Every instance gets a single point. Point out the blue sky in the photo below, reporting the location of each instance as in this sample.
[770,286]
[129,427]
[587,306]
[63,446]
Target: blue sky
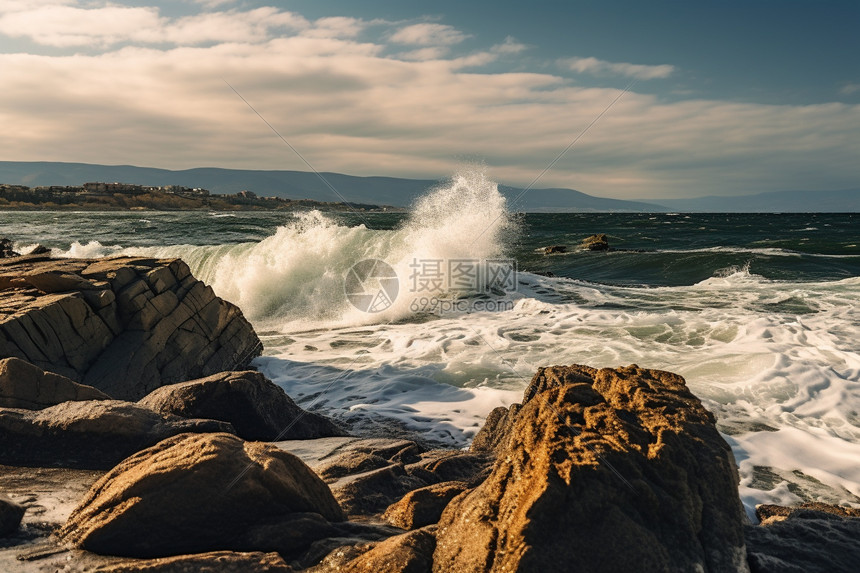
[724,98]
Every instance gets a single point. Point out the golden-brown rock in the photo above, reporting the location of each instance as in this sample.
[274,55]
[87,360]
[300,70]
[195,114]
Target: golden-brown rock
[609,470]
[204,492]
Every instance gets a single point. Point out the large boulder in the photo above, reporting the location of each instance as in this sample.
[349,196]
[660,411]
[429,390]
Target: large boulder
[255,406]
[410,552]
[610,470]
[11,514]
[204,492]
[423,506]
[23,385]
[124,325]
[810,538]
[90,434]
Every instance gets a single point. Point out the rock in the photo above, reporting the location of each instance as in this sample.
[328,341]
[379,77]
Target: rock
[438,466]
[620,471]
[88,434]
[6,249]
[423,506]
[553,249]
[256,407]
[212,562]
[39,250]
[811,538]
[407,553]
[23,385]
[204,492]
[124,325]
[596,243]
[11,514]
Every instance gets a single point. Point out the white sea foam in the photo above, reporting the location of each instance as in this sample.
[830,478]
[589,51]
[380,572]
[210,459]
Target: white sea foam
[762,354]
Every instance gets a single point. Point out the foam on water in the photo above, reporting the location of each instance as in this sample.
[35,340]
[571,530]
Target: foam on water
[778,362]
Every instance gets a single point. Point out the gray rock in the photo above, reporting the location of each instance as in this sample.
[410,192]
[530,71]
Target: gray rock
[11,514]
[812,538]
[89,434]
[256,407]
[124,325]
[23,385]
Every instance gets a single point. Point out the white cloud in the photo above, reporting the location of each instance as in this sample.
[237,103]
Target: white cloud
[428,34]
[350,106]
[509,46]
[601,67]
[849,89]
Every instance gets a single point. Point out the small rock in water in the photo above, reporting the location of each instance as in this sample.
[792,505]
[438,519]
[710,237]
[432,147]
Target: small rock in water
[596,242]
[553,249]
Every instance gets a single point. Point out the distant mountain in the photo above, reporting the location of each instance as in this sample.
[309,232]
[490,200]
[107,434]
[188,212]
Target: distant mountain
[844,201]
[298,185]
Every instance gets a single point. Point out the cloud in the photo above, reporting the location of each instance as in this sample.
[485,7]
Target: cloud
[849,89]
[428,34]
[509,46]
[351,106]
[601,68]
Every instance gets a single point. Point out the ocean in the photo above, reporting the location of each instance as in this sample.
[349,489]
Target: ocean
[420,323]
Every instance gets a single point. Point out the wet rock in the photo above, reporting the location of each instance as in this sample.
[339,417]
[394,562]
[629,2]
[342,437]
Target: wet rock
[124,325]
[88,434]
[423,506]
[212,562]
[410,552]
[811,538]
[610,470]
[204,492]
[11,514]
[256,407]
[23,385]
[596,243]
[554,249]
[6,249]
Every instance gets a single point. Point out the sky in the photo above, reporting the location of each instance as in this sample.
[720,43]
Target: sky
[618,98]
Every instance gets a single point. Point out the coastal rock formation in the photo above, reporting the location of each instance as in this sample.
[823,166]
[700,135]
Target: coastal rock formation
[124,325]
[410,552]
[596,243]
[810,538]
[608,470]
[11,514]
[423,506]
[23,385]
[256,407]
[204,492]
[7,249]
[89,434]
[212,562]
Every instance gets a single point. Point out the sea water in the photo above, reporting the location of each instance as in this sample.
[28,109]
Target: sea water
[759,312]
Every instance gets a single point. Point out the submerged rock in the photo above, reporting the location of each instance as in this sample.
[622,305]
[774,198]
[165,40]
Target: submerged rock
[204,492]
[23,385]
[124,325]
[89,434]
[255,406]
[11,514]
[554,249]
[596,242]
[810,538]
[601,470]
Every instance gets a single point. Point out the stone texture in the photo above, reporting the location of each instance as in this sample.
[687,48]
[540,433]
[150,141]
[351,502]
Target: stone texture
[596,243]
[23,385]
[256,407]
[88,434]
[410,552]
[212,562]
[204,492]
[124,325]
[11,514]
[610,470]
[423,506]
[811,538]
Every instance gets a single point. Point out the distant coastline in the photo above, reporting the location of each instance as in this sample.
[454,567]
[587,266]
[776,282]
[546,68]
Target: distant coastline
[132,197]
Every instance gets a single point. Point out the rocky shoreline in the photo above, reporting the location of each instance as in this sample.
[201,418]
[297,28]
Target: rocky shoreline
[134,437]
